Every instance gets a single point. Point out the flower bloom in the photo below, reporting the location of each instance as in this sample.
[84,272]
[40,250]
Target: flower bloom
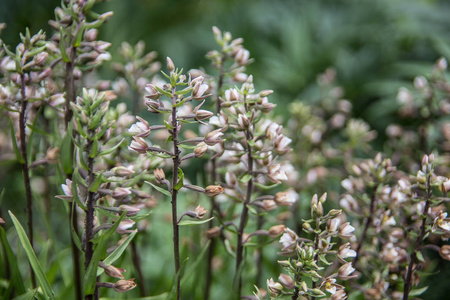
[345,271]
[288,197]
[140,129]
[345,230]
[214,137]
[139,145]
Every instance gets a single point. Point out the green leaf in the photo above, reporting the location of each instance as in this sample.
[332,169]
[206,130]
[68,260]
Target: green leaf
[62,46]
[161,190]
[193,222]
[40,275]
[420,256]
[418,292]
[229,248]
[76,41]
[324,260]
[14,142]
[116,253]
[179,184]
[27,296]
[94,149]
[168,126]
[266,187]
[76,178]
[110,150]
[96,184]
[99,252]
[16,278]
[66,152]
[75,237]
[190,270]
[246,178]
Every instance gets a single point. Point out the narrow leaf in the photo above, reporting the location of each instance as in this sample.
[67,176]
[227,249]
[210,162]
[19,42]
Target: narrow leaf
[14,143]
[179,184]
[194,222]
[16,278]
[110,150]
[116,253]
[66,152]
[40,275]
[161,190]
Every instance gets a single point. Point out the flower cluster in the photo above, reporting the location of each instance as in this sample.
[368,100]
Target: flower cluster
[307,255]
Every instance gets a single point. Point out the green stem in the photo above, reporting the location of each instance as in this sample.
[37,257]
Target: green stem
[176,163]
[25,169]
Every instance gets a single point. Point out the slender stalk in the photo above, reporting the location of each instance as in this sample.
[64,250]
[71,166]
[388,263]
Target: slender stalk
[25,169]
[316,247]
[413,258]
[89,222]
[137,265]
[176,163]
[367,223]
[213,199]
[244,215]
[69,84]
[259,254]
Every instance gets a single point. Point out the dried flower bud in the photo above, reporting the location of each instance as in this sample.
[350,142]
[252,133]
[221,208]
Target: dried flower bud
[213,232]
[200,211]
[276,230]
[52,155]
[200,149]
[170,64]
[269,205]
[444,252]
[123,285]
[159,175]
[114,272]
[213,190]
[288,197]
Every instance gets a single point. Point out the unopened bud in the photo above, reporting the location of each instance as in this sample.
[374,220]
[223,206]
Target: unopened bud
[130,210]
[286,281]
[170,64]
[276,230]
[123,285]
[200,149]
[214,137]
[203,114]
[159,175]
[444,252]
[40,58]
[265,93]
[112,271]
[213,190]
[213,232]
[200,211]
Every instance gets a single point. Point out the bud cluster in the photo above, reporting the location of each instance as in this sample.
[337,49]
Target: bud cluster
[307,255]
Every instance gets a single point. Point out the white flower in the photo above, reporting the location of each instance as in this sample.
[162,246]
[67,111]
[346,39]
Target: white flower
[345,230]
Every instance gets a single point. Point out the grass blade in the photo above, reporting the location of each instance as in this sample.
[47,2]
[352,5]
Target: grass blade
[40,275]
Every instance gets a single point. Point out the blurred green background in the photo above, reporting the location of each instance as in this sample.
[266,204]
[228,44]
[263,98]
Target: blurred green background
[375,46]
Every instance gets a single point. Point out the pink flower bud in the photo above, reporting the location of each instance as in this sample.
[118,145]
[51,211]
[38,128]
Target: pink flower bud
[213,190]
[214,137]
[170,64]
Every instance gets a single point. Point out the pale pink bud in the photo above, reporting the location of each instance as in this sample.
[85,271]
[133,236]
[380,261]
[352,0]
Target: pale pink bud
[276,230]
[444,252]
[345,271]
[274,287]
[139,145]
[130,210]
[40,58]
[214,137]
[152,92]
[120,193]
[170,64]
[200,149]
[288,197]
[346,230]
[286,281]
